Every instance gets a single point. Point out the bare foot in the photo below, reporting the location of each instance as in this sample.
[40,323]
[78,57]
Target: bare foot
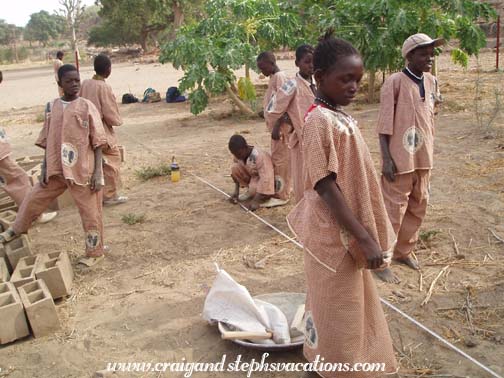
[409,262]
[387,276]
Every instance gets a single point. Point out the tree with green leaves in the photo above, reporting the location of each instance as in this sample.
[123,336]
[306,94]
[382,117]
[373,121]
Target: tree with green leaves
[230,36]
[378,28]
[43,27]
[137,21]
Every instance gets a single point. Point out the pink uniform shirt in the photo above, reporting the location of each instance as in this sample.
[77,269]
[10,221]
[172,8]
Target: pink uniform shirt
[409,120]
[69,136]
[101,95]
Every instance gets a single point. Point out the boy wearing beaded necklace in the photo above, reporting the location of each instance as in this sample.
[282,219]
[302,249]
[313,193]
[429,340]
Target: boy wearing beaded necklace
[342,223]
[406,132]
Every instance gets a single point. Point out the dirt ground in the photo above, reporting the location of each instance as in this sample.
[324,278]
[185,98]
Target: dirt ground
[144,302]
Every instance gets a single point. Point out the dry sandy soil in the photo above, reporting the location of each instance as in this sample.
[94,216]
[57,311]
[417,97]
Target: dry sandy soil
[144,302]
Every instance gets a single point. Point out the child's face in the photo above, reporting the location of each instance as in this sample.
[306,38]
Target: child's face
[70,82]
[266,67]
[305,65]
[421,59]
[240,154]
[341,83]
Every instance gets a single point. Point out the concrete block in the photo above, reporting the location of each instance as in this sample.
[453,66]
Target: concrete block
[64,200]
[17,249]
[7,218]
[7,204]
[29,162]
[56,271]
[25,270]
[4,271]
[40,308]
[122,150]
[13,325]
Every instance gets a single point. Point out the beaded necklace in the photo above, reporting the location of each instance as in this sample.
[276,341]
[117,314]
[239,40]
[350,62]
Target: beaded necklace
[330,106]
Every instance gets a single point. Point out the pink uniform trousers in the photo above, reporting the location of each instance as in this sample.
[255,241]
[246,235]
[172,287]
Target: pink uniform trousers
[89,204]
[406,201]
[15,180]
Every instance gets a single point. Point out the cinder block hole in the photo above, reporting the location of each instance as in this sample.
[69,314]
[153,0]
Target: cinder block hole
[4,288]
[6,300]
[31,287]
[36,296]
[30,260]
[54,255]
[51,264]
[26,272]
[16,243]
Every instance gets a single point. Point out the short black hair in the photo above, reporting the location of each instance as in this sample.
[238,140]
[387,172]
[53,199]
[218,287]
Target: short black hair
[1,76]
[331,50]
[266,56]
[64,69]
[101,64]
[236,143]
[59,54]
[302,50]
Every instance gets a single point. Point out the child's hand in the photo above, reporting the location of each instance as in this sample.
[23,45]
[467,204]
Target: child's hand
[97,181]
[275,133]
[233,199]
[372,253]
[43,175]
[389,170]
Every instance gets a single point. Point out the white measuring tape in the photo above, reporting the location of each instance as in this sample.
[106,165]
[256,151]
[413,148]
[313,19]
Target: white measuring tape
[385,302]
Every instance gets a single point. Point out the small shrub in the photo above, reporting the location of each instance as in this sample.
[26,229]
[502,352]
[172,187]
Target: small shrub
[132,218]
[146,173]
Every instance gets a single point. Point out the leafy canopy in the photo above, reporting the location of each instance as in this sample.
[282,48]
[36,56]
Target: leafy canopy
[230,36]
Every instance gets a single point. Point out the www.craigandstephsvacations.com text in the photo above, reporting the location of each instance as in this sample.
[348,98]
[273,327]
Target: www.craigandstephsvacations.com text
[241,365]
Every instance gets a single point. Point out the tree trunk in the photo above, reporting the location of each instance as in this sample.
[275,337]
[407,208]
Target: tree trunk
[239,103]
[143,40]
[247,71]
[178,15]
[371,86]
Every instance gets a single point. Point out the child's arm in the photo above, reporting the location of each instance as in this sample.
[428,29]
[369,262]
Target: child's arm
[277,112]
[389,168]
[110,110]
[236,194]
[97,181]
[332,196]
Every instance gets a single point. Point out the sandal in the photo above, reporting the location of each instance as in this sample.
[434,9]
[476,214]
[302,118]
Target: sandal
[274,202]
[8,235]
[90,261]
[115,201]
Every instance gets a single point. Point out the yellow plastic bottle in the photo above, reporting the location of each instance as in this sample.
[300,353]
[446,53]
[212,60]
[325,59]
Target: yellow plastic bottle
[175,171]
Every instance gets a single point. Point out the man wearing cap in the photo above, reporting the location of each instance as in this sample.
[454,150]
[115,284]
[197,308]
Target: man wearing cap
[406,132]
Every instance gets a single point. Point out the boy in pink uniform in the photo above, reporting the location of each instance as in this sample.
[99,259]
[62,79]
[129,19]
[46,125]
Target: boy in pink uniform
[406,132]
[13,178]
[58,62]
[342,223]
[252,169]
[278,128]
[72,136]
[294,98]
[100,94]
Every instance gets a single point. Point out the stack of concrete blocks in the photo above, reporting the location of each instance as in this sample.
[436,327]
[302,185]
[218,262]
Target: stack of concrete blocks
[56,271]
[6,202]
[13,323]
[7,218]
[40,308]
[25,270]
[4,268]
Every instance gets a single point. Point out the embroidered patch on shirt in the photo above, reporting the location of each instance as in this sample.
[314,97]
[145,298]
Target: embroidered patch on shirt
[92,239]
[310,331]
[69,154]
[271,104]
[288,87]
[85,123]
[3,136]
[413,140]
